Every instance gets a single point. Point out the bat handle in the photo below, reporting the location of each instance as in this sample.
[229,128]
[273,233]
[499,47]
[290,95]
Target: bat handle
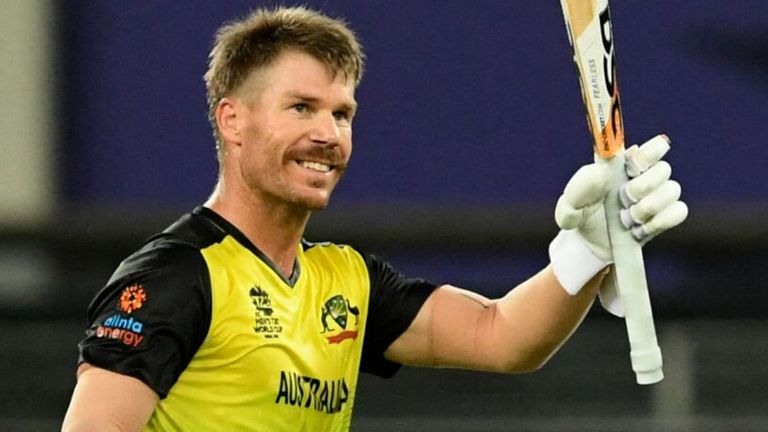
[631,284]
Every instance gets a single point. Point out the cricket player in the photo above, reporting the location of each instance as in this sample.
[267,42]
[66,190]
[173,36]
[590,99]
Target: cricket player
[230,320]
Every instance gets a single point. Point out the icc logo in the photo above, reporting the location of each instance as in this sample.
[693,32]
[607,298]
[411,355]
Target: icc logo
[266,323]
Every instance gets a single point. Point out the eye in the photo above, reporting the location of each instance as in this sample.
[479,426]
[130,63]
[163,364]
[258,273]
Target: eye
[342,116]
[300,108]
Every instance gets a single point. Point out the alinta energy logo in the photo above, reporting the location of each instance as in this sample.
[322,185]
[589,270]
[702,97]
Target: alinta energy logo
[132,298]
[126,329]
[340,311]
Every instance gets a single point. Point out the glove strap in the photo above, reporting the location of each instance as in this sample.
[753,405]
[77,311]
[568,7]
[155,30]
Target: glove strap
[572,261]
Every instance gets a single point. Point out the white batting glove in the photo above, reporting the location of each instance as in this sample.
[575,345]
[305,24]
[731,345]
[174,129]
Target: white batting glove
[651,205]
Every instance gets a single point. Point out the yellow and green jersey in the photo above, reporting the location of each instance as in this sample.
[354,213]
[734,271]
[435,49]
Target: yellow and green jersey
[202,317]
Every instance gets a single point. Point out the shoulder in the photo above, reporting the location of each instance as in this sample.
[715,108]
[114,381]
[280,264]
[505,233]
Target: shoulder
[344,252]
[176,247]
[168,266]
[330,253]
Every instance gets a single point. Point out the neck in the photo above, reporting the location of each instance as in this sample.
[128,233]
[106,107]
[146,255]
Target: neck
[275,228]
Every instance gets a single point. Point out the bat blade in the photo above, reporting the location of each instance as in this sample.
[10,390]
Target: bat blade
[589,30]
[588,23]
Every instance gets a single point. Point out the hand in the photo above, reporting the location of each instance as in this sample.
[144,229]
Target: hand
[651,206]
[651,200]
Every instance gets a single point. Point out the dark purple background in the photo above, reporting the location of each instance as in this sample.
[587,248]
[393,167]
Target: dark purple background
[459,105]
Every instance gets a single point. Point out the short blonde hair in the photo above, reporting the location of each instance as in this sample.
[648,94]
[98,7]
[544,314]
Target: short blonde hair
[257,40]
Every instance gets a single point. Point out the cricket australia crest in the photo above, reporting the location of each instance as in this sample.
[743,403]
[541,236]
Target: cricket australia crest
[340,312]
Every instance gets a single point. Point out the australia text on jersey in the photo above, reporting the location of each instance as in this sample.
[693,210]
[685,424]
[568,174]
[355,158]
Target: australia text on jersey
[328,396]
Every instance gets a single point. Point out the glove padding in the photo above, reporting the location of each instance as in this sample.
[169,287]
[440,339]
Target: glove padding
[650,203]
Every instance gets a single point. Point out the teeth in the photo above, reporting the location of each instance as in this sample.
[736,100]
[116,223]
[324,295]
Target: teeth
[316,166]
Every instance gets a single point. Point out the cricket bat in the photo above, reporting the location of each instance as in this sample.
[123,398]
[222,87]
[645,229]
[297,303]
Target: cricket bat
[591,35]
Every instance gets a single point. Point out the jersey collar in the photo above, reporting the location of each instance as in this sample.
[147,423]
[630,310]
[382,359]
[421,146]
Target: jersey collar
[227,228]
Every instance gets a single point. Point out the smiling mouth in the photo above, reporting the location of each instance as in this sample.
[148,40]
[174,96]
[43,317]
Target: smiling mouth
[316,166]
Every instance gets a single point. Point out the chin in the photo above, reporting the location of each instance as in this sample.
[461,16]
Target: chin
[314,203]
[310,198]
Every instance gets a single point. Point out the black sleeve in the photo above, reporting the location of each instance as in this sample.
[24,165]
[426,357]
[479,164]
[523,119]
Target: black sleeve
[395,301]
[151,317]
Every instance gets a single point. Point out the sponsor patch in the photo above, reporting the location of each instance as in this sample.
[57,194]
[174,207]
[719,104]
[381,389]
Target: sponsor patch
[125,329]
[132,298]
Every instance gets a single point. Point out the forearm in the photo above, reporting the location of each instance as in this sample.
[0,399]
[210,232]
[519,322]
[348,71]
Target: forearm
[532,321]
[517,333]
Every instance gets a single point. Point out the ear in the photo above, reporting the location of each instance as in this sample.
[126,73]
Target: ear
[226,120]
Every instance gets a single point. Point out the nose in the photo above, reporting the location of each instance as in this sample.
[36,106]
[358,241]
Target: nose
[325,129]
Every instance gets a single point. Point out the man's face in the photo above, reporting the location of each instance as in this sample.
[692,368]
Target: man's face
[295,122]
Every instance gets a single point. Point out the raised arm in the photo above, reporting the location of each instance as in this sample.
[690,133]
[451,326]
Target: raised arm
[521,331]
[517,333]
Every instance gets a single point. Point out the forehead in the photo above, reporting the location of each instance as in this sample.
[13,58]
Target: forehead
[297,72]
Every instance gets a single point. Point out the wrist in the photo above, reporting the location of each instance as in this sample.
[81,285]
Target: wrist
[573,262]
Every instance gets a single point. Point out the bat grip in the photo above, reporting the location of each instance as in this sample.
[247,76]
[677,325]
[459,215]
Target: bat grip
[631,284]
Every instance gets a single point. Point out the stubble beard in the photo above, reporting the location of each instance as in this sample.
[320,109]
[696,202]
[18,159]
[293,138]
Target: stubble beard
[276,187]
[278,192]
